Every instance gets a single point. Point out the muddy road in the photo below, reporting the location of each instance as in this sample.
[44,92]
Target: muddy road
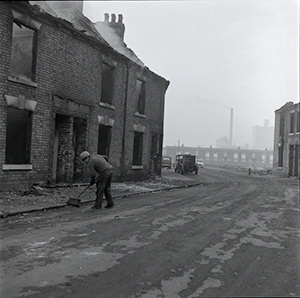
[234,235]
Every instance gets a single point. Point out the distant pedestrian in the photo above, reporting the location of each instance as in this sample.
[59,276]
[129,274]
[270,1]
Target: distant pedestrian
[101,174]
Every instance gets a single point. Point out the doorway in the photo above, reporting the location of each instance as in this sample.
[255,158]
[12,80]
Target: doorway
[69,141]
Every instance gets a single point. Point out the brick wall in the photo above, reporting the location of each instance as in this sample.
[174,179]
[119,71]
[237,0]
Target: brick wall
[68,78]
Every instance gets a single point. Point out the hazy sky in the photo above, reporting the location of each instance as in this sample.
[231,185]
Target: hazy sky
[217,55]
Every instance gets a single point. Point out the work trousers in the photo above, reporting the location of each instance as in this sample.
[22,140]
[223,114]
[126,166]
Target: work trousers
[103,185]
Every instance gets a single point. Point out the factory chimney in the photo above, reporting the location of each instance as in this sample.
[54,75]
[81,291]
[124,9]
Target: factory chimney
[231,127]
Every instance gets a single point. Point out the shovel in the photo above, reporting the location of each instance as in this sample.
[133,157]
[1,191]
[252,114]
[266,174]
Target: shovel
[76,201]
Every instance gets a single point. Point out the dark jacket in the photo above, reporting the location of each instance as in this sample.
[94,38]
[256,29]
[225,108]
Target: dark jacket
[97,166]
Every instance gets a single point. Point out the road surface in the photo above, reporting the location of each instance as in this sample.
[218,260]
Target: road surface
[234,235]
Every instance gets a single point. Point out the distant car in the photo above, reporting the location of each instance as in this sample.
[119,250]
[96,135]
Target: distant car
[200,163]
[166,162]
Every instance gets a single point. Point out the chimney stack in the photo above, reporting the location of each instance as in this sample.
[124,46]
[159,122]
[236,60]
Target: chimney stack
[120,20]
[119,27]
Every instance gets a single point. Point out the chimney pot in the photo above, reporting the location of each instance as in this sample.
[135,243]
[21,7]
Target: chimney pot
[120,20]
[106,17]
[113,18]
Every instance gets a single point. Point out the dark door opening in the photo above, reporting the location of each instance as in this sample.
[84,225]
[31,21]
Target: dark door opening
[296,165]
[291,160]
[69,141]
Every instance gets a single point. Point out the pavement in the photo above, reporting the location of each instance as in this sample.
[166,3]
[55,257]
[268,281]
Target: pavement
[13,203]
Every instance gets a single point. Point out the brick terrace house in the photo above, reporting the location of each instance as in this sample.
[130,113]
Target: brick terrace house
[65,89]
[287,140]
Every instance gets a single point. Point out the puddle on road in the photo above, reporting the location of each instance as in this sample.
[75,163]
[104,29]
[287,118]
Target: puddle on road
[216,252]
[208,283]
[170,288]
[259,242]
[130,243]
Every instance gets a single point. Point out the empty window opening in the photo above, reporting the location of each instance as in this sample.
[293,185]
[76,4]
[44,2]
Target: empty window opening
[23,54]
[18,136]
[107,83]
[281,126]
[137,148]
[141,92]
[292,123]
[104,139]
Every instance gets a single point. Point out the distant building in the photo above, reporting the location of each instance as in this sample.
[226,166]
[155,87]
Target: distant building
[238,157]
[263,136]
[286,140]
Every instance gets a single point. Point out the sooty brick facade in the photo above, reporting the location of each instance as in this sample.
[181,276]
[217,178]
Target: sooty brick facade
[49,116]
[287,141]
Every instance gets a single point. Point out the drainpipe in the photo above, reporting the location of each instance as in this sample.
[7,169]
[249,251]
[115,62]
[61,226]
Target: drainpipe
[124,122]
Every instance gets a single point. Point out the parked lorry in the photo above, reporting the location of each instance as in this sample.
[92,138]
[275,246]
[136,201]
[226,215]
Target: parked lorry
[186,163]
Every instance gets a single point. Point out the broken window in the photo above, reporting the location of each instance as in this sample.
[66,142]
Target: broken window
[104,137]
[18,136]
[292,123]
[23,54]
[137,148]
[107,83]
[141,92]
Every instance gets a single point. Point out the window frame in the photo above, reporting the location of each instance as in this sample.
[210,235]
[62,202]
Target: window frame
[9,160]
[141,97]
[26,21]
[107,132]
[292,122]
[137,156]
[107,84]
